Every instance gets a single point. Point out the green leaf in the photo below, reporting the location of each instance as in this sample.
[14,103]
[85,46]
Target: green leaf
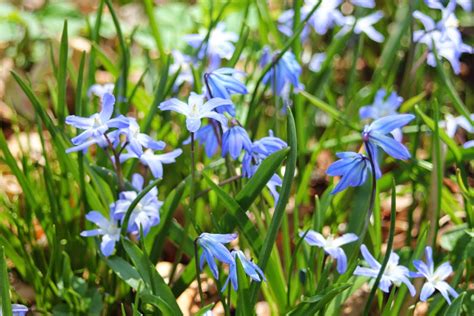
[62,73]
[163,297]
[456,306]
[125,271]
[5,303]
[311,305]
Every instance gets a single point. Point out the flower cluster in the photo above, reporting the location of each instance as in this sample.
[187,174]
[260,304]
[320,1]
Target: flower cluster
[396,274]
[442,36]
[213,248]
[121,134]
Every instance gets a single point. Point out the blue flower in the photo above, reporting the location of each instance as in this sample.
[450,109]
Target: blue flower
[18,310]
[332,246]
[97,124]
[285,71]
[147,212]
[260,150]
[222,83]
[100,90]
[137,141]
[196,109]
[381,106]
[234,140]
[213,248]
[207,137]
[317,61]
[182,63]
[438,4]
[250,268]
[393,274]
[451,124]
[434,278]
[219,45]
[108,229]
[353,168]
[102,141]
[444,34]
[375,135]
[363,25]
[153,161]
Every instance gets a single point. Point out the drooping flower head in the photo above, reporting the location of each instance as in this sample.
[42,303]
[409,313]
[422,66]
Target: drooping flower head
[250,268]
[393,274]
[434,278]
[353,168]
[213,248]
[147,212]
[375,135]
[331,246]
[234,140]
[285,72]
[96,126]
[196,109]
[153,161]
[219,45]
[207,137]
[108,229]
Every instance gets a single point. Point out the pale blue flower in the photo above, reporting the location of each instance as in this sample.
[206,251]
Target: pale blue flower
[108,229]
[147,212]
[353,168]
[445,36]
[102,141]
[434,278]
[317,61]
[363,25]
[438,4]
[137,141]
[234,140]
[182,63]
[375,135]
[285,72]
[393,274]
[97,124]
[452,123]
[219,45]
[382,107]
[213,248]
[153,161]
[331,246]
[250,268]
[100,90]
[468,144]
[370,4]
[195,110]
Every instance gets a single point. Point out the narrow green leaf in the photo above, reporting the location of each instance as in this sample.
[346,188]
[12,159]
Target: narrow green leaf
[62,73]
[456,306]
[5,303]
[165,299]
[154,26]
[125,271]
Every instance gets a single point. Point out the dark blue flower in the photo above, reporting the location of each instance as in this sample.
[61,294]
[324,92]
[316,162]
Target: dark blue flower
[250,268]
[222,83]
[234,140]
[213,248]
[374,135]
[353,168]
[286,71]
[207,137]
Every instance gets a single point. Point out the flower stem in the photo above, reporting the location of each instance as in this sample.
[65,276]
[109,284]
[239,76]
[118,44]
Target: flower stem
[198,276]
[372,193]
[117,165]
